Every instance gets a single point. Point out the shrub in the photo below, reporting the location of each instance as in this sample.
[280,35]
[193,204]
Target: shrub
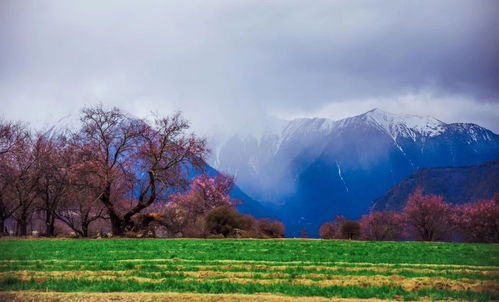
[270,228]
[350,229]
[225,220]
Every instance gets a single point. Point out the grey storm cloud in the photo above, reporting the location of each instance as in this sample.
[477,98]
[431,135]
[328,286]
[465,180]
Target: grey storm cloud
[224,62]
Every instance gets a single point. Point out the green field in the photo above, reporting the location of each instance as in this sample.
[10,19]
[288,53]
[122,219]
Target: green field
[386,270]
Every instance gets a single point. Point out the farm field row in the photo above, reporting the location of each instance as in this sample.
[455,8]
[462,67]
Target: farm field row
[299,268]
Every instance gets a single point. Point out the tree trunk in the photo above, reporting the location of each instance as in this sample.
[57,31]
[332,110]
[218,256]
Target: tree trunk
[126,222]
[116,224]
[117,227]
[49,224]
[84,229]
[22,225]
[3,230]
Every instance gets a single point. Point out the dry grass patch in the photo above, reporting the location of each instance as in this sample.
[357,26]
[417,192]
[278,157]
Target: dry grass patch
[249,267]
[161,297]
[269,263]
[319,280]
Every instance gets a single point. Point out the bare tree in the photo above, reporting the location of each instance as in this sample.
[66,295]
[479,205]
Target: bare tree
[80,204]
[24,178]
[80,211]
[11,134]
[128,156]
[108,142]
[166,158]
[12,137]
[53,166]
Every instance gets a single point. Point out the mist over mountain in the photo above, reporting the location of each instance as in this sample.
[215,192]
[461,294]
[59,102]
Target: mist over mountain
[312,169]
[246,204]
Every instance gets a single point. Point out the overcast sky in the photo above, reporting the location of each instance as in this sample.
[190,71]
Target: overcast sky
[231,63]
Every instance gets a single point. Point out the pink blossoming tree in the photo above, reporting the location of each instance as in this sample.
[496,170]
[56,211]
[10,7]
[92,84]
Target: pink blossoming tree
[479,221]
[428,216]
[382,226]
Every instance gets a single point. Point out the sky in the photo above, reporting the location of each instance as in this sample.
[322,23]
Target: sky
[232,64]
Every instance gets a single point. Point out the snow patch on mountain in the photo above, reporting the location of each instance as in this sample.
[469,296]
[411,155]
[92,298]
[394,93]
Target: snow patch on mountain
[341,177]
[475,132]
[405,125]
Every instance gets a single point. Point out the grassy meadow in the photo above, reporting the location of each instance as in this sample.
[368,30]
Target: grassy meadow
[320,268]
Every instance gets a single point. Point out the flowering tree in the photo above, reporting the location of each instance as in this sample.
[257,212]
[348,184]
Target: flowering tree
[479,221]
[381,226]
[428,216]
[328,231]
[213,190]
[205,194]
[332,230]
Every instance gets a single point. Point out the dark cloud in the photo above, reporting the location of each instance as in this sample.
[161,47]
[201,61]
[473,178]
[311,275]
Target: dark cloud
[225,62]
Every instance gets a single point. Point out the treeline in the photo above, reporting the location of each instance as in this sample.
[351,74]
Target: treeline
[426,217]
[123,176]
[116,174]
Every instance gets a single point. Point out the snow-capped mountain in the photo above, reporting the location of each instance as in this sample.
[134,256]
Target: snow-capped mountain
[315,168]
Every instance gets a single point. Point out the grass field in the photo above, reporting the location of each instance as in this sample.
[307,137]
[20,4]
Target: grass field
[343,269]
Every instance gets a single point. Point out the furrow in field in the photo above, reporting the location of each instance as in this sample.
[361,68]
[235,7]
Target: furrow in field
[271,262]
[295,270]
[347,269]
[273,266]
[322,263]
[316,280]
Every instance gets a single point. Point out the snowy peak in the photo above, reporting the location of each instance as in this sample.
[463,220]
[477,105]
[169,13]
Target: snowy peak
[404,125]
[395,125]
[253,150]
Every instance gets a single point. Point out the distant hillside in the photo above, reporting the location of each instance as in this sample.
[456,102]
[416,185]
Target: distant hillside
[458,185]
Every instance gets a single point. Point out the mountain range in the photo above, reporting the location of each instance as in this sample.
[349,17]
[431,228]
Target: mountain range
[311,169]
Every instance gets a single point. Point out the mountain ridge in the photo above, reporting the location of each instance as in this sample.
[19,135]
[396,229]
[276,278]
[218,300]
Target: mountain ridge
[316,168]
[458,185]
